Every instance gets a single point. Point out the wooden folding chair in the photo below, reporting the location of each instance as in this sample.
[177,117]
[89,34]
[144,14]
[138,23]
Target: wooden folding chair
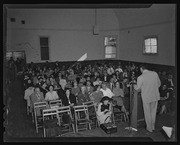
[55,103]
[65,120]
[82,121]
[38,117]
[51,123]
[119,116]
[92,113]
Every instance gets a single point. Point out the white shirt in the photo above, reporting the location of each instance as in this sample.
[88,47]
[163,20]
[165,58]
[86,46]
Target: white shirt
[62,82]
[107,92]
[51,96]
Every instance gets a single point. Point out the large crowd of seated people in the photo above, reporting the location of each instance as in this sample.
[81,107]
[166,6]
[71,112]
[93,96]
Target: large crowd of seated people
[82,83]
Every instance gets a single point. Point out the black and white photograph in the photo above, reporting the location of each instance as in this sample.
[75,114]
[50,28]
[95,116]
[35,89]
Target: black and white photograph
[89,72]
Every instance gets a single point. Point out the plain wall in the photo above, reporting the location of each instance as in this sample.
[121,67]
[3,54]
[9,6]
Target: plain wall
[134,24]
[70,32]
[132,40]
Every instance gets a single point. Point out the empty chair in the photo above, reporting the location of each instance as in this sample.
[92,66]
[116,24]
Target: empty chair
[92,113]
[38,117]
[55,103]
[51,123]
[82,121]
[119,116]
[65,120]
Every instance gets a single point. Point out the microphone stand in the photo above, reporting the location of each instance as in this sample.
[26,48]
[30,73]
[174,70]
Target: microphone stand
[130,128]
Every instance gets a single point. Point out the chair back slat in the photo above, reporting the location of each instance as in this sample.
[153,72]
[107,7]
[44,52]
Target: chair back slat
[49,112]
[63,108]
[88,103]
[40,104]
[80,108]
[55,103]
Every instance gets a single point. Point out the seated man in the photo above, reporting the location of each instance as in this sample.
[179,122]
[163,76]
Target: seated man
[82,96]
[106,91]
[37,96]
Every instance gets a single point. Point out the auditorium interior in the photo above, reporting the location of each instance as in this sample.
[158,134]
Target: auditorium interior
[66,44]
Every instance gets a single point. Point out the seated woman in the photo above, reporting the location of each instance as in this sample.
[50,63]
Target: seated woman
[164,99]
[118,94]
[75,89]
[82,96]
[51,94]
[68,98]
[97,95]
[53,82]
[104,110]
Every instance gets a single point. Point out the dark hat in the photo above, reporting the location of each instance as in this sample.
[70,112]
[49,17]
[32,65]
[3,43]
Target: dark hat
[105,98]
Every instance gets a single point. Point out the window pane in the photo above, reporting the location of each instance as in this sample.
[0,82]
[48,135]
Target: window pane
[154,49]
[147,49]
[44,53]
[110,56]
[147,42]
[18,55]
[153,41]
[110,49]
[44,41]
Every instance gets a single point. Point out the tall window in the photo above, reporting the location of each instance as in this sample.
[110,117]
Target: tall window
[44,46]
[110,43]
[150,45]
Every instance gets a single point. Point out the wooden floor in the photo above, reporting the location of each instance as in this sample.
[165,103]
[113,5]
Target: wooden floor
[20,125]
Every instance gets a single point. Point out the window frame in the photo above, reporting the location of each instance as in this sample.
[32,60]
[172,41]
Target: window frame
[44,46]
[114,36]
[150,37]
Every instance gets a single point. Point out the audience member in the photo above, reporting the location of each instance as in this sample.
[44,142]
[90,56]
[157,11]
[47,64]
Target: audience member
[106,91]
[82,96]
[51,94]
[104,110]
[28,92]
[96,95]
